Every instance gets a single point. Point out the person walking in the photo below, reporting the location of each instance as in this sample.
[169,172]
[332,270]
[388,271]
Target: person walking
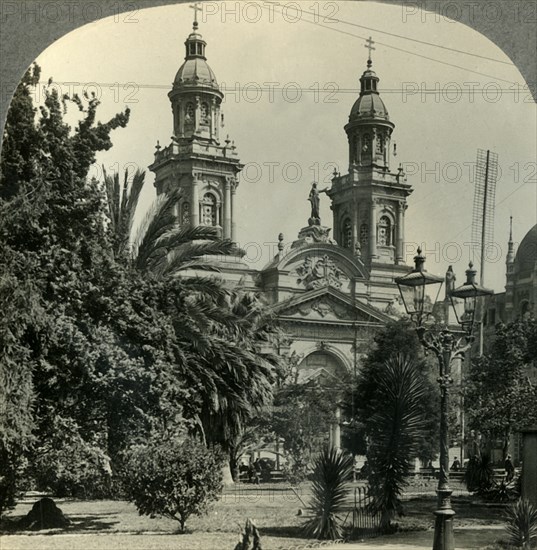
[509,469]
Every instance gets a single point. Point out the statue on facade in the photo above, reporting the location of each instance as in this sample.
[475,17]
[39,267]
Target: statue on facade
[314,198]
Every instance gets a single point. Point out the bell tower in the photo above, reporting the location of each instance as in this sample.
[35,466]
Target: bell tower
[205,169]
[369,202]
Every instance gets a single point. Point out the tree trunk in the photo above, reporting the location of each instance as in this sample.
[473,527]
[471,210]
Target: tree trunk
[227,478]
[234,467]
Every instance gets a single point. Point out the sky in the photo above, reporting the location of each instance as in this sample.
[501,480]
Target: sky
[445,105]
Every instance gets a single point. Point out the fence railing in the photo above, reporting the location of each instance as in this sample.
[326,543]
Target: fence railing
[365,522]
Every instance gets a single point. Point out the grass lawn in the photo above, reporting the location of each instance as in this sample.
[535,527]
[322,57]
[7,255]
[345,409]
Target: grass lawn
[114,525]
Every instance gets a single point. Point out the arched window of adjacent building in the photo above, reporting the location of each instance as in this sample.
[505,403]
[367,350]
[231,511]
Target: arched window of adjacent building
[364,234]
[185,213]
[204,110]
[347,234]
[208,210]
[384,233]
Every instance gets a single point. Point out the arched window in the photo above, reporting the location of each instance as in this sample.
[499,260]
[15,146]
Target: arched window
[384,234]
[366,148]
[380,143]
[364,234]
[204,110]
[185,213]
[347,234]
[208,212]
[189,115]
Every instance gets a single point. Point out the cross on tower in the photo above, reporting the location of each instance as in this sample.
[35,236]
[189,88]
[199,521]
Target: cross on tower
[196,7]
[369,46]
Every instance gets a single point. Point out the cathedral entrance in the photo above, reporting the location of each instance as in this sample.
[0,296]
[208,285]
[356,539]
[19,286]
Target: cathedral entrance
[322,367]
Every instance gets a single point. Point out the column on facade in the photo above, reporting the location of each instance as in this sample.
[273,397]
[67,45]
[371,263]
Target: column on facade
[212,118]
[181,119]
[374,139]
[335,430]
[227,209]
[195,204]
[355,234]
[373,230]
[400,232]
[217,123]
[197,114]
[233,224]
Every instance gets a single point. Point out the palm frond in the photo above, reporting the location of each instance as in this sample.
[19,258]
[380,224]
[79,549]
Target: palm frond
[395,430]
[330,487]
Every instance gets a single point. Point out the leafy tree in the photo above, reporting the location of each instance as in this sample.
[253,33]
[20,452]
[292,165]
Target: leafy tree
[500,395]
[301,416]
[84,343]
[394,430]
[397,338]
[331,474]
[173,478]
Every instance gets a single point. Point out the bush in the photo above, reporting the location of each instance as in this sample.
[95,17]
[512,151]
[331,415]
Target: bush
[10,479]
[173,478]
[522,524]
[69,466]
[331,475]
[479,474]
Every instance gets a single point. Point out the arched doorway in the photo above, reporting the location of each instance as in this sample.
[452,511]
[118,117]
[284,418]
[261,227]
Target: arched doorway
[322,367]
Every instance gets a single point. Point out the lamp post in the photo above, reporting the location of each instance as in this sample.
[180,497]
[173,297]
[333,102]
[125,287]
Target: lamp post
[418,295]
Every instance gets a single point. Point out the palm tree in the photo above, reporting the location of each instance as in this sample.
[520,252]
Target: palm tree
[394,430]
[222,334]
[242,368]
[161,245]
[331,475]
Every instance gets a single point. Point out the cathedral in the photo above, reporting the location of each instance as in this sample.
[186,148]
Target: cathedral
[330,292]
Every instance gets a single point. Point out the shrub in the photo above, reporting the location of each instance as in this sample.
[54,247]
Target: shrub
[69,466]
[173,478]
[479,474]
[522,524]
[331,474]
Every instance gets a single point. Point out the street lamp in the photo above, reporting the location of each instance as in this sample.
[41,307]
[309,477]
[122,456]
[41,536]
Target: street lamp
[418,295]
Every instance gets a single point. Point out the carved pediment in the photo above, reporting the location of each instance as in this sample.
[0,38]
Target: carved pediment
[318,272]
[328,305]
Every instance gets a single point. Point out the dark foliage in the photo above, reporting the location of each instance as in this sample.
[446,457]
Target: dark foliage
[395,430]
[330,487]
[173,478]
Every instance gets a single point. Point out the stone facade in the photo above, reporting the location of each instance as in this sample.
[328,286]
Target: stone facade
[331,293]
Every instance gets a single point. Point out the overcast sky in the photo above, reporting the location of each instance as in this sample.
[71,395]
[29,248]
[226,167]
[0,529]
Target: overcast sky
[437,134]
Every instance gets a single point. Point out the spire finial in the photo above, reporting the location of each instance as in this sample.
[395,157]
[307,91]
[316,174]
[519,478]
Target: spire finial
[196,7]
[369,46]
[510,228]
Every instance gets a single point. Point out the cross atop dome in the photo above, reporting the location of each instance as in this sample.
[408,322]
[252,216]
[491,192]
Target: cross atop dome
[369,46]
[196,7]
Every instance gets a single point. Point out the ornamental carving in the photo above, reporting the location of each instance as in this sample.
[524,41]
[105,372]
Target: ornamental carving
[320,272]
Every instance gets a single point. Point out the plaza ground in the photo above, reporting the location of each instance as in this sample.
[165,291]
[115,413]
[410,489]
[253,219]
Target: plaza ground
[112,525]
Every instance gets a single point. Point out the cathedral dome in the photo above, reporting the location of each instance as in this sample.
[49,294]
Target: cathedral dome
[369,104]
[526,255]
[195,70]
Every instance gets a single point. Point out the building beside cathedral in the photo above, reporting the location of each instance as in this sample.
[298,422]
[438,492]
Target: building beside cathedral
[520,296]
[330,292]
